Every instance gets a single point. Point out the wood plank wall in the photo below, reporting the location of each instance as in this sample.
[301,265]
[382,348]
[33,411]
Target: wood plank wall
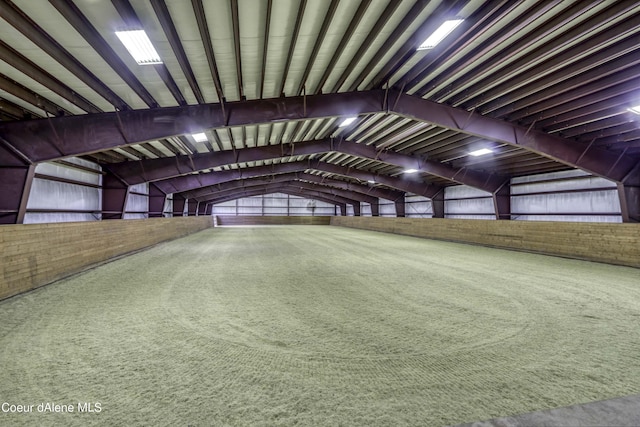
[272,220]
[612,243]
[33,255]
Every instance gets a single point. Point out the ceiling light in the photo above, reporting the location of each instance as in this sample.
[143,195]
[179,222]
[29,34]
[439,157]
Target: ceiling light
[199,137]
[635,109]
[371,181]
[480,152]
[347,121]
[139,46]
[439,34]
[410,170]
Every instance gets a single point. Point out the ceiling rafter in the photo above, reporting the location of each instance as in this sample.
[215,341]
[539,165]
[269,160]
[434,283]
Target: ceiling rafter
[292,44]
[383,19]
[74,16]
[326,22]
[530,103]
[346,38]
[131,19]
[235,21]
[27,95]
[37,35]
[205,37]
[406,21]
[162,12]
[473,25]
[482,68]
[32,70]
[443,11]
[473,58]
[265,46]
[14,111]
[604,57]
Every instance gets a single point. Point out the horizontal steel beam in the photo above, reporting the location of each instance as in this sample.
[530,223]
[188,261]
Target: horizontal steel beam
[191,182]
[54,138]
[286,189]
[296,176]
[168,167]
[163,168]
[579,155]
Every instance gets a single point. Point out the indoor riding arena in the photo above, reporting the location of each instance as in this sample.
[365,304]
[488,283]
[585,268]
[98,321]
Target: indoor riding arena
[319,213]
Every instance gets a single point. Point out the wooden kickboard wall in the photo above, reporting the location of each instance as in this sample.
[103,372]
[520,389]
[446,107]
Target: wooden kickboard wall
[32,255]
[272,220]
[612,243]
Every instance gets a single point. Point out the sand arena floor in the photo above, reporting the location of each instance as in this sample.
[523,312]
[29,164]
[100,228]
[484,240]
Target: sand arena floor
[318,325]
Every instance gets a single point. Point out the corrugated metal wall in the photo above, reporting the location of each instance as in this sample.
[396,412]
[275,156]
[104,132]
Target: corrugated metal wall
[276,204]
[565,196]
[137,206]
[62,193]
[72,192]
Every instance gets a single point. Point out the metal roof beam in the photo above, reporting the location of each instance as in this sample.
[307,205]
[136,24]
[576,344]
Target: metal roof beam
[30,69]
[77,135]
[205,37]
[302,189]
[298,176]
[31,97]
[156,169]
[129,15]
[189,182]
[21,22]
[259,191]
[592,159]
[82,25]
[162,12]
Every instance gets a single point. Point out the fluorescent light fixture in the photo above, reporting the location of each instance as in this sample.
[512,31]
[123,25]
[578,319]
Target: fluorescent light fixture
[410,170]
[439,34]
[371,181]
[199,137]
[635,109]
[139,46]
[347,121]
[480,152]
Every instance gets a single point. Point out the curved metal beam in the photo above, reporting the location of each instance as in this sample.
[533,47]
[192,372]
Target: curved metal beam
[163,168]
[39,139]
[595,160]
[299,176]
[259,190]
[86,134]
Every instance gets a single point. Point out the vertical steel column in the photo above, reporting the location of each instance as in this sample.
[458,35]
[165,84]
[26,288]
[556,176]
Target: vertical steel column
[400,208]
[502,201]
[114,196]
[192,207]
[629,193]
[156,201]
[356,209]
[15,186]
[343,209]
[437,204]
[375,208]
[178,205]
[202,209]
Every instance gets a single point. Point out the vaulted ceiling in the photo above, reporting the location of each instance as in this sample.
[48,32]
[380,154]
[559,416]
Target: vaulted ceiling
[545,85]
